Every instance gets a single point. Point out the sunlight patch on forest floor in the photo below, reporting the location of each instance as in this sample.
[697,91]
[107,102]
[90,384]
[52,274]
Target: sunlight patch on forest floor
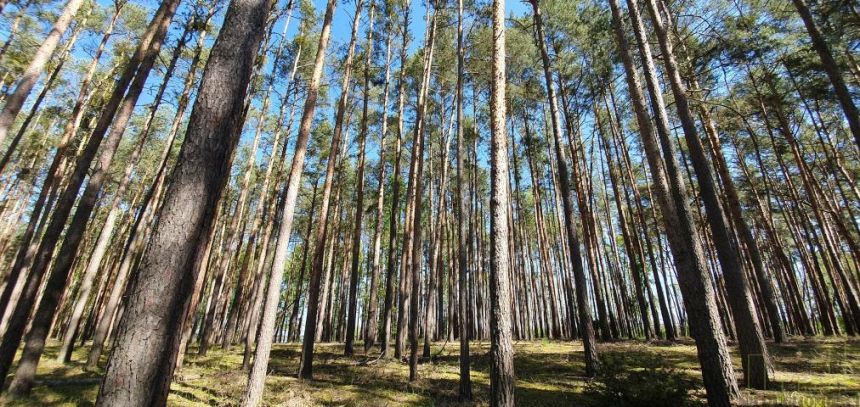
[809,372]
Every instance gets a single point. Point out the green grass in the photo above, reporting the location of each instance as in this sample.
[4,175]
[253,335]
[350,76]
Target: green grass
[811,372]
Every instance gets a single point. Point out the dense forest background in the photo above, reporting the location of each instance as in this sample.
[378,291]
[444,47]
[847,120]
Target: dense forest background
[454,190]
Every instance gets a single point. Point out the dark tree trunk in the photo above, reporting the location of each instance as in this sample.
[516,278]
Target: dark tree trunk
[585,321]
[693,277]
[159,296]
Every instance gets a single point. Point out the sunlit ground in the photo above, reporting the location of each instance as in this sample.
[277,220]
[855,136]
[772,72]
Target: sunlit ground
[818,372]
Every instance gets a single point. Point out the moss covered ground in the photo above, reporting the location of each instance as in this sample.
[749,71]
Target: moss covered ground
[809,372]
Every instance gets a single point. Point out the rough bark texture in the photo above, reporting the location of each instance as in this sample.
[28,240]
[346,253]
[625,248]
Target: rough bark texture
[754,354]
[501,348]
[693,278]
[141,366]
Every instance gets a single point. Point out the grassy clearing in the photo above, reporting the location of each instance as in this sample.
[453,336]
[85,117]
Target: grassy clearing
[814,372]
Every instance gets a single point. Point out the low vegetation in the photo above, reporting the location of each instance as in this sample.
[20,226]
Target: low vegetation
[817,372]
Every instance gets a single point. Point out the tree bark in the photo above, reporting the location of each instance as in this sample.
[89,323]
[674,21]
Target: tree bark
[584,309]
[34,69]
[371,325]
[465,388]
[501,348]
[160,295]
[352,313]
[391,263]
[256,378]
[689,258]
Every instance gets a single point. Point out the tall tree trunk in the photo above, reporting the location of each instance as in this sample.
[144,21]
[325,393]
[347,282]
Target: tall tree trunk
[306,366]
[689,258]
[415,195]
[62,268]
[586,327]
[830,66]
[160,295]
[501,349]
[371,325]
[256,378]
[106,232]
[388,303]
[139,230]
[34,69]
[465,387]
[754,354]
[352,313]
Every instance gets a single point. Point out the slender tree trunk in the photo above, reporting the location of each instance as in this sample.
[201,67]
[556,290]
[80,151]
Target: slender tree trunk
[371,325]
[695,283]
[256,378]
[391,264]
[586,327]
[416,197]
[306,367]
[501,350]
[352,313]
[62,268]
[831,67]
[34,69]
[465,387]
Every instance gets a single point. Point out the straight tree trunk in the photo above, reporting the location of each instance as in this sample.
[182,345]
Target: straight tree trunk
[352,313]
[257,375]
[391,263]
[160,295]
[417,258]
[501,349]
[306,366]
[585,322]
[689,258]
[63,263]
[371,325]
[34,69]
[465,387]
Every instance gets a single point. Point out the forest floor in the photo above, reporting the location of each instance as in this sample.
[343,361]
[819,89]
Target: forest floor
[809,372]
